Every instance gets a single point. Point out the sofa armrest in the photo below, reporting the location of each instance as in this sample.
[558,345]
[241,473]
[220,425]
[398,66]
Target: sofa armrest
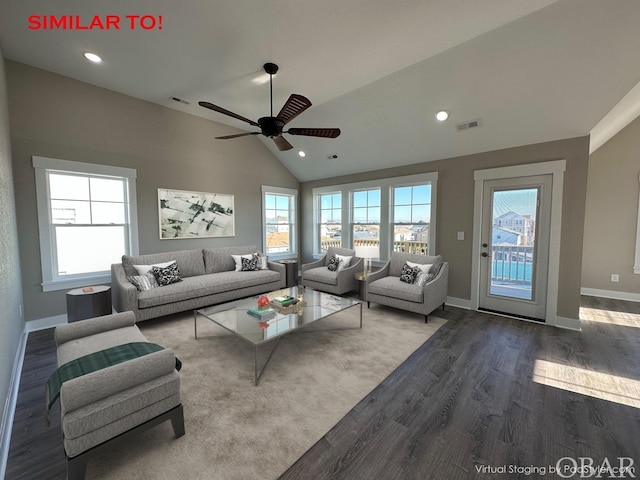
[316,264]
[437,288]
[124,295]
[101,384]
[281,268]
[91,326]
[378,274]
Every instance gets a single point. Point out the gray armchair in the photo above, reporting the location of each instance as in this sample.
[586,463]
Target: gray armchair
[316,275]
[384,286]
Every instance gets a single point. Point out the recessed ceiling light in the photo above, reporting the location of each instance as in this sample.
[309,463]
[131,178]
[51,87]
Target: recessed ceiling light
[302,154]
[92,57]
[442,115]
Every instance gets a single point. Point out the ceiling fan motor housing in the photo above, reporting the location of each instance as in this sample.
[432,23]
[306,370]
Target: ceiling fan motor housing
[271,126]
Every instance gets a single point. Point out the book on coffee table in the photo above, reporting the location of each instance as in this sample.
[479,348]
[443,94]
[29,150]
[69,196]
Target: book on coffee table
[284,301]
[261,313]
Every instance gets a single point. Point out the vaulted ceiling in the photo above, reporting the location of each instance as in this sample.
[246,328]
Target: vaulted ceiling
[529,71]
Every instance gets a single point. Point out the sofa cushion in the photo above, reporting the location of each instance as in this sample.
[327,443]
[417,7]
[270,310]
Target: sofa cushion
[79,347]
[219,259]
[190,262]
[393,287]
[203,285]
[321,275]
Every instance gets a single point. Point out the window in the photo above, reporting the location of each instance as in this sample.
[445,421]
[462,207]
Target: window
[393,214]
[279,221]
[411,218]
[366,217]
[330,226]
[86,217]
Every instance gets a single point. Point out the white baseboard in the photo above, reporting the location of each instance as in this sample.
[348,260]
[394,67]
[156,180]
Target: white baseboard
[458,302]
[596,292]
[44,323]
[10,404]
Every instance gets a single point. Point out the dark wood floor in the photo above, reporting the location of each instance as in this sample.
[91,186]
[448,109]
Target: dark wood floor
[477,394]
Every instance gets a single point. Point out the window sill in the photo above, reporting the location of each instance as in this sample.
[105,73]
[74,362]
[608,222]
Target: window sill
[76,282]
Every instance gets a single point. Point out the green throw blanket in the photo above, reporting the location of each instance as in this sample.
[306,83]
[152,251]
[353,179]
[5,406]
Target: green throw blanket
[94,362]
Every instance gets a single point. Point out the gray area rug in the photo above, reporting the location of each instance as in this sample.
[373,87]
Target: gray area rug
[238,431]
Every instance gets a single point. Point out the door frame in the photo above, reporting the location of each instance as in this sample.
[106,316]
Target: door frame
[556,168]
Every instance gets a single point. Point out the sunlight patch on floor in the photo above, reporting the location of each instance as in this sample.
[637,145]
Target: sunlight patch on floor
[605,386]
[610,317]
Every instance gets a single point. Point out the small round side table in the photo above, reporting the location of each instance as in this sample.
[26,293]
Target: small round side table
[88,302]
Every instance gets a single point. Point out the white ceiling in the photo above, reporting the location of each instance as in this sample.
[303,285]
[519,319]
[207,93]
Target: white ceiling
[532,71]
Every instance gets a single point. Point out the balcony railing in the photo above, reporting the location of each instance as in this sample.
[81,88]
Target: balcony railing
[398,246]
[512,264]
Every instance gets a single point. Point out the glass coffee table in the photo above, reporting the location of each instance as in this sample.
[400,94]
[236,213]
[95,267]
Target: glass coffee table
[267,332]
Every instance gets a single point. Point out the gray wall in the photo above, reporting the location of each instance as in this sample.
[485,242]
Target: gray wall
[612,213]
[11,325]
[456,203]
[55,116]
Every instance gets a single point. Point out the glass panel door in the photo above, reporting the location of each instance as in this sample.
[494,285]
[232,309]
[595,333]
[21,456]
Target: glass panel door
[513,238]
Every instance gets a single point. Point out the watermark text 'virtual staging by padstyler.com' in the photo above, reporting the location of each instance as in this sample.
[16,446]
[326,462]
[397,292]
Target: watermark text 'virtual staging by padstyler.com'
[568,467]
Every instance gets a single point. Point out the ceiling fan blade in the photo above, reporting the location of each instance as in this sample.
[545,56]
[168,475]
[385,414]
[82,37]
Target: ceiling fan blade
[295,105]
[218,109]
[315,132]
[282,143]
[225,137]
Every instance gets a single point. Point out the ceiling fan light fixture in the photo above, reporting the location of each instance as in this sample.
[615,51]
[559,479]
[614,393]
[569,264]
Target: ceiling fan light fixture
[442,115]
[92,57]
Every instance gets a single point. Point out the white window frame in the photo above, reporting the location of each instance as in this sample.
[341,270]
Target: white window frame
[293,221]
[392,220]
[386,210]
[42,165]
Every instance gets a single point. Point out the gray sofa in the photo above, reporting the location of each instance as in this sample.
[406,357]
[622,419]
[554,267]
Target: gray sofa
[208,278]
[116,401]
[384,286]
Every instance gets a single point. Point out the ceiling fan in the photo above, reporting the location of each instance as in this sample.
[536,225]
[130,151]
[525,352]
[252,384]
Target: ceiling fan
[272,127]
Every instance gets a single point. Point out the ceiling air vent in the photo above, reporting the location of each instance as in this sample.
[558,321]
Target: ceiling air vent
[179,100]
[468,124]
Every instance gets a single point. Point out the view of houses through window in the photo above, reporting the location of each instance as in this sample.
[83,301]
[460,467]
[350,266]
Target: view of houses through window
[279,220]
[411,218]
[513,235]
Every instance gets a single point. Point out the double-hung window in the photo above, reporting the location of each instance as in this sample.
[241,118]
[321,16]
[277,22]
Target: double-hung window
[279,221]
[330,215]
[87,221]
[411,218]
[365,215]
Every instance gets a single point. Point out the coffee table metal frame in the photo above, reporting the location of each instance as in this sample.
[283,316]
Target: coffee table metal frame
[238,310]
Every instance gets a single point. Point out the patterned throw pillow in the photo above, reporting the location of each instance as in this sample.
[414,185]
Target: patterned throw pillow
[409,274]
[144,282]
[250,264]
[334,263]
[167,275]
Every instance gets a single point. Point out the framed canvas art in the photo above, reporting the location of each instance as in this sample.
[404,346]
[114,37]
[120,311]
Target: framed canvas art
[185,214]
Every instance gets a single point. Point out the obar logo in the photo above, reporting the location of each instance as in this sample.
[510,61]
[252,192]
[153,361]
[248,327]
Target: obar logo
[586,467]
